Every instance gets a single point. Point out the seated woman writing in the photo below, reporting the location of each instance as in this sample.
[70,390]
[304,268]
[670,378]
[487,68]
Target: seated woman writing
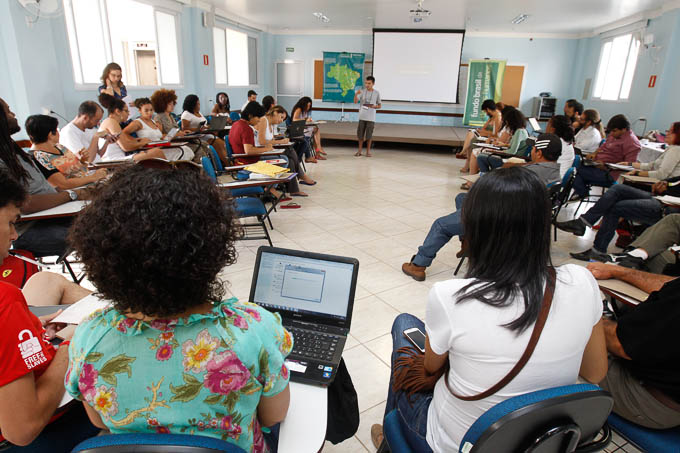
[481,324]
[125,145]
[194,122]
[60,166]
[302,110]
[503,136]
[32,370]
[171,355]
[490,129]
[515,122]
[264,135]
[222,106]
[146,127]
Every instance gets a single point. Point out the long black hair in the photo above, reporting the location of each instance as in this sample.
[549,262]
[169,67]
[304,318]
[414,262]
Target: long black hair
[217,100]
[513,119]
[302,105]
[10,152]
[506,218]
[190,102]
[563,127]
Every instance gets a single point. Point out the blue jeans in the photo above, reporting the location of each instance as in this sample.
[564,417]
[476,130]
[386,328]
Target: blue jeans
[63,434]
[592,176]
[488,162]
[45,237]
[412,412]
[441,232]
[624,201]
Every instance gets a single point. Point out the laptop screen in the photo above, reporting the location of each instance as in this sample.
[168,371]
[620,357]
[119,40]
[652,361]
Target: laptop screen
[303,285]
[534,125]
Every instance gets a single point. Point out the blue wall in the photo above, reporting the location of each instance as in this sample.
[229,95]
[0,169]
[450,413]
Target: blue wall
[659,104]
[39,72]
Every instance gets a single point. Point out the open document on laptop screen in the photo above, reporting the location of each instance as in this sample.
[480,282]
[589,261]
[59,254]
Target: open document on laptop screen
[304,285]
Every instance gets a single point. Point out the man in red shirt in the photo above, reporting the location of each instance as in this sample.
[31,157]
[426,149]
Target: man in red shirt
[621,146]
[32,370]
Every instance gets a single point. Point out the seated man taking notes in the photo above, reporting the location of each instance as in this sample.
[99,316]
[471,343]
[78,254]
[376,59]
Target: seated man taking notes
[643,375]
[32,371]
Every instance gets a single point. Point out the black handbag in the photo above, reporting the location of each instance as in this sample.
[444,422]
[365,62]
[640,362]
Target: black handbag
[343,407]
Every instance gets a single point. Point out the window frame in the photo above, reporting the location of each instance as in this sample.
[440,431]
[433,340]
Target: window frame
[162,6]
[635,35]
[224,26]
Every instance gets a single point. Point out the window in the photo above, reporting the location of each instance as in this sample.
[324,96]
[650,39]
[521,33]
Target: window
[235,57]
[134,34]
[615,71]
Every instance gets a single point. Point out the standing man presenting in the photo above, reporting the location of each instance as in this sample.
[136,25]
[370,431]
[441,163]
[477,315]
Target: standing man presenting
[369,101]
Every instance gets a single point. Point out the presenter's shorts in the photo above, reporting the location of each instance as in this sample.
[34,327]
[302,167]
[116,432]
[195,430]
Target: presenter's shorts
[365,129]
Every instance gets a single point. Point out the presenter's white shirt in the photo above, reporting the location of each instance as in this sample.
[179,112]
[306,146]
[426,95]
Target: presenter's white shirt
[588,140]
[75,139]
[366,99]
[481,351]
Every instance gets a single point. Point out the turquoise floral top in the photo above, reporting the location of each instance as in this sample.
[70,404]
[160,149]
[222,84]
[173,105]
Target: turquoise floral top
[204,374]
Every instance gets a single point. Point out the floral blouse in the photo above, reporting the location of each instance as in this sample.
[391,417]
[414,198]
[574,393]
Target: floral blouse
[66,162]
[204,374]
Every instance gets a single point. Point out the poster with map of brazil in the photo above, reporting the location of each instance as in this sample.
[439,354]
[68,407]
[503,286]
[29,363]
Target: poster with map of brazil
[342,73]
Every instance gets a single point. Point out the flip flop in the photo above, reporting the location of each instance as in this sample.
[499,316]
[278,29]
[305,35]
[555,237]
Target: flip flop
[285,199]
[465,186]
[308,183]
[290,206]
[357,154]
[298,195]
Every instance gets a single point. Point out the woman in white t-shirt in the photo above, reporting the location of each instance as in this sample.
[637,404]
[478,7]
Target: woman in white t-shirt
[591,134]
[561,126]
[482,323]
[146,127]
[193,121]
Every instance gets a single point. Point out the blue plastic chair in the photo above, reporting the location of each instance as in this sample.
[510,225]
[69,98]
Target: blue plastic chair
[245,207]
[235,116]
[155,443]
[577,161]
[646,439]
[560,416]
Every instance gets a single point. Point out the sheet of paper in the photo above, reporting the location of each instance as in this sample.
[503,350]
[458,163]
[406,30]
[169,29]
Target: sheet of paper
[642,179]
[621,167]
[667,199]
[75,313]
[623,288]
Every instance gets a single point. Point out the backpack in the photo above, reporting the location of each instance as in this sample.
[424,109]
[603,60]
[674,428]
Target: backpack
[343,407]
[17,271]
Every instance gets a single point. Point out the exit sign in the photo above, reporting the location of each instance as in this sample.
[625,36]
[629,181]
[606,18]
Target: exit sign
[290,49]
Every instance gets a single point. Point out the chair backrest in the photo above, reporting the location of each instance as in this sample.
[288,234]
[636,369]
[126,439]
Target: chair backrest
[235,116]
[215,158]
[529,144]
[577,161]
[646,439]
[208,168]
[230,150]
[155,443]
[546,420]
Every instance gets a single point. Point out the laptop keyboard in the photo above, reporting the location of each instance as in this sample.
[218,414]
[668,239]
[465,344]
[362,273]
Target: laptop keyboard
[313,345]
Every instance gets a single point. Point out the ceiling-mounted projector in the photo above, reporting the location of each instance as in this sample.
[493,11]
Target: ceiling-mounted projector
[419,13]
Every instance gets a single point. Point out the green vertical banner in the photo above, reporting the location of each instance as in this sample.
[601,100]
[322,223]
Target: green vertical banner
[342,73]
[485,81]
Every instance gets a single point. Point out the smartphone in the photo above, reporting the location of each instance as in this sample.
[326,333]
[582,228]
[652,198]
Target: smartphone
[416,337]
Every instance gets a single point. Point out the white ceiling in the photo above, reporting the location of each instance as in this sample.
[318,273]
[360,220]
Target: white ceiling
[546,16]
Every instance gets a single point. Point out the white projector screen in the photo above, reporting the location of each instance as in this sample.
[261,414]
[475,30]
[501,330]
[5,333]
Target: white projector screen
[417,65]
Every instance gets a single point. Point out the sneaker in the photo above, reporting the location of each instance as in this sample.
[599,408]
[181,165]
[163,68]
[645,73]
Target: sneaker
[377,435]
[575,226]
[416,272]
[591,255]
[631,262]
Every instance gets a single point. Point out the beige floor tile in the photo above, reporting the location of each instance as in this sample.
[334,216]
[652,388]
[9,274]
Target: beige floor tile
[379,277]
[410,298]
[351,445]
[371,318]
[381,347]
[370,417]
[358,234]
[369,375]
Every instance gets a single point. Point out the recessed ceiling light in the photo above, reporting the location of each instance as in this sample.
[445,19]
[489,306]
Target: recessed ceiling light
[317,15]
[519,19]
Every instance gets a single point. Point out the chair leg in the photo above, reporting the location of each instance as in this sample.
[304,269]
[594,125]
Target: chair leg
[266,231]
[384,447]
[460,264]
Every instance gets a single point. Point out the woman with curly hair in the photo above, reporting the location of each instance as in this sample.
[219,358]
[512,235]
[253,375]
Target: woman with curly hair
[171,355]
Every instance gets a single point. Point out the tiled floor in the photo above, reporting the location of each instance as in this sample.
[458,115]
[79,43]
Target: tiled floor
[377,210]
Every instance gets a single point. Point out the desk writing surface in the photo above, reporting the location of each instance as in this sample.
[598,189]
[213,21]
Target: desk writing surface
[623,288]
[64,210]
[640,179]
[304,428]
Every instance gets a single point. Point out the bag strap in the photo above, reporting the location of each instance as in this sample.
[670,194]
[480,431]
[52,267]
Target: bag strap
[533,341]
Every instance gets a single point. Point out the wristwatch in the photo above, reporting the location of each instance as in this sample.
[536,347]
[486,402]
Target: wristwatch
[73,194]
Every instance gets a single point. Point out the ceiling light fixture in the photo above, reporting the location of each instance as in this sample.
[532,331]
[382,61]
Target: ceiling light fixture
[420,13]
[519,19]
[321,17]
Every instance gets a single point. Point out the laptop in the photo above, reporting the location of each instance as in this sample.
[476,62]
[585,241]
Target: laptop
[536,128]
[296,130]
[314,294]
[218,123]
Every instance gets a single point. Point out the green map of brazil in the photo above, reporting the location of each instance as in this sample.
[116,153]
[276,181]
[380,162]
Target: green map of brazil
[345,75]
